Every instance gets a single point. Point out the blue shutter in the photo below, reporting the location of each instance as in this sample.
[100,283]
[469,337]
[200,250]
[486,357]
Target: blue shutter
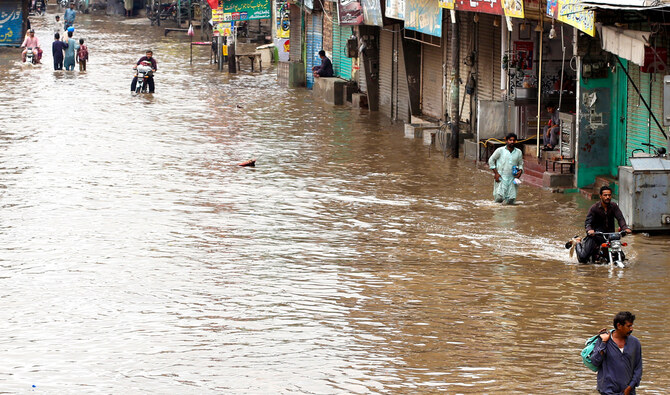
[314,44]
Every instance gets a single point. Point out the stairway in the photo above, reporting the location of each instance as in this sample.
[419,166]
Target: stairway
[533,172]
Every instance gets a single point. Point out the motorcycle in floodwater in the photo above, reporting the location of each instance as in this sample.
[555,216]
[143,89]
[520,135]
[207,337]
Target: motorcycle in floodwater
[31,55]
[143,72]
[610,251]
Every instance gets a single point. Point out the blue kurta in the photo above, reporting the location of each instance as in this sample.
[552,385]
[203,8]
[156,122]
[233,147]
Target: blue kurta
[503,161]
[618,370]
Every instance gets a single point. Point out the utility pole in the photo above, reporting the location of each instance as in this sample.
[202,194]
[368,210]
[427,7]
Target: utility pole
[455,85]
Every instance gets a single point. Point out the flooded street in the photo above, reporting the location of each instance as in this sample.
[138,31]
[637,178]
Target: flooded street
[136,257]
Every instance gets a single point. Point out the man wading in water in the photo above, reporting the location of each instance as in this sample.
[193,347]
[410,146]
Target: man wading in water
[618,357]
[507,165]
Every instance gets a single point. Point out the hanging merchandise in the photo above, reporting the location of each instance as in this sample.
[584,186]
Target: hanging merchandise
[352,47]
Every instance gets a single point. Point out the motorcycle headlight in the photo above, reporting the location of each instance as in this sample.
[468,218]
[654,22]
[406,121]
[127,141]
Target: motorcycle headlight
[615,244]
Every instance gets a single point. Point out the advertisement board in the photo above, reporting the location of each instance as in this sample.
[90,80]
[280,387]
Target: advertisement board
[485,6]
[395,9]
[11,24]
[350,12]
[572,13]
[372,12]
[424,16]
[244,10]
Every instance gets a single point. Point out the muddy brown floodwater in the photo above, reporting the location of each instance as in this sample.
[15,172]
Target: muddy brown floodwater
[135,257]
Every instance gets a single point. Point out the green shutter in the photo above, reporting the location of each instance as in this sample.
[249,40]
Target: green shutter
[642,128]
[341,63]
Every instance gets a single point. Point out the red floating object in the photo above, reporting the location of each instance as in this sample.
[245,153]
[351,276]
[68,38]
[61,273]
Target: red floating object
[248,163]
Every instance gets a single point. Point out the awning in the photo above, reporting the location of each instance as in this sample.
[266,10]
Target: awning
[628,44]
[625,4]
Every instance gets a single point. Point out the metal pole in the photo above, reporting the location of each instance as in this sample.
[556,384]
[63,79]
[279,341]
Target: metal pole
[539,93]
[232,65]
[455,93]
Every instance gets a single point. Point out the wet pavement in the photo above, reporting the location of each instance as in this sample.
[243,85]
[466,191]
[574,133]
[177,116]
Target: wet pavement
[136,257]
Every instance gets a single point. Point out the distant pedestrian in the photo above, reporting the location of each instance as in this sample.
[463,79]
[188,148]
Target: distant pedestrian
[128,5]
[82,55]
[507,165]
[57,49]
[618,357]
[71,47]
[58,24]
[69,16]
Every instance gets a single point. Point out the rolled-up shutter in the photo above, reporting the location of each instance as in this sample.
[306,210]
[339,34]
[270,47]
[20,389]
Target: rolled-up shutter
[362,82]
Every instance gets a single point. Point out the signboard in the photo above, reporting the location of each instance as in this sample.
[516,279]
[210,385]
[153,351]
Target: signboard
[573,14]
[372,12]
[485,6]
[283,19]
[423,16]
[395,9]
[244,10]
[11,24]
[350,12]
[513,8]
[448,4]
[217,15]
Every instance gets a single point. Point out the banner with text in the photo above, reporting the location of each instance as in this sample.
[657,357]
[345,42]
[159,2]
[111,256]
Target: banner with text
[395,9]
[573,14]
[485,6]
[350,12]
[244,10]
[11,24]
[448,4]
[424,16]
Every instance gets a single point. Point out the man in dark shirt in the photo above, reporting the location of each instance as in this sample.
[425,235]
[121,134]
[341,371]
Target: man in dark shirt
[600,219]
[57,49]
[148,58]
[618,357]
[326,67]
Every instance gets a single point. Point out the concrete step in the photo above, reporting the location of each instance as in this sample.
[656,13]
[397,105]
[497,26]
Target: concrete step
[588,192]
[557,180]
[530,179]
[533,173]
[602,181]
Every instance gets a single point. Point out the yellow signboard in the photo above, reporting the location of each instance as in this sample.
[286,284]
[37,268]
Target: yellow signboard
[513,8]
[573,14]
[448,4]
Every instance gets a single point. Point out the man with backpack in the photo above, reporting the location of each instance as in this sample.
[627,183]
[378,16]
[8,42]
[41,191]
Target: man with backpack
[618,357]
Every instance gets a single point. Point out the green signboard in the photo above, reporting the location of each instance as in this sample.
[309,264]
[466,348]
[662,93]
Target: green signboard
[243,10]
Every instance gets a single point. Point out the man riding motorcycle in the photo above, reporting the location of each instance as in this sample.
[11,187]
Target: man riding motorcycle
[600,219]
[148,59]
[31,42]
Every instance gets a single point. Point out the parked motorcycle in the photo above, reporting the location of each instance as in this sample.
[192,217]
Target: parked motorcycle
[143,72]
[611,251]
[64,3]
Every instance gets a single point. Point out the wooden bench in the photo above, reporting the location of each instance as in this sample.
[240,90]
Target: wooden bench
[252,57]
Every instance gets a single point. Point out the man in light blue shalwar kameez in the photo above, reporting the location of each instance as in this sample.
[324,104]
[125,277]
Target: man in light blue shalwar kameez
[503,162]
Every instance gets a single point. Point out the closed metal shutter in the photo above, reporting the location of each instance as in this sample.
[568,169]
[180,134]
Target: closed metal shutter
[641,128]
[431,81]
[295,45]
[485,69]
[314,44]
[402,107]
[341,63]
[386,71]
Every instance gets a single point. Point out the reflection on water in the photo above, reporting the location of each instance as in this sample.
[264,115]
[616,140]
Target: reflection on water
[136,255]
